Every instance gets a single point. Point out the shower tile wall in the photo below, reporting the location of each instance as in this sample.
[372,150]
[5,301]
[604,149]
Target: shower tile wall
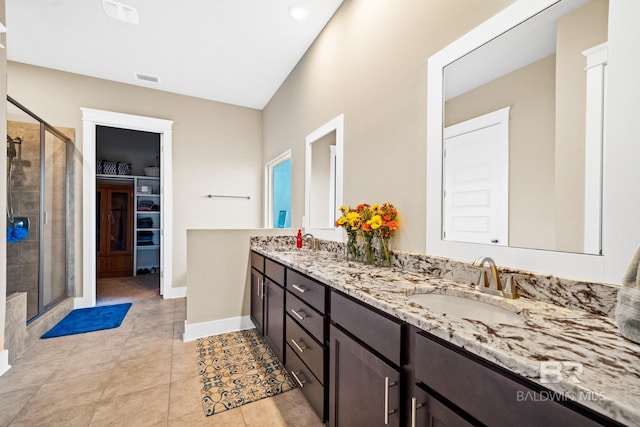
[23,257]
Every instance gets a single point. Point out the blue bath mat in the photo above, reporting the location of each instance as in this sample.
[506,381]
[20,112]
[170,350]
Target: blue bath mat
[89,319]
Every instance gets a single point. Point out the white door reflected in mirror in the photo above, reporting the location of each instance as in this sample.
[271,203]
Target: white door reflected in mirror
[323,180]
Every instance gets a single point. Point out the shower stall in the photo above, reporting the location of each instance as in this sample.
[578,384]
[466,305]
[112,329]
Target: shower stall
[38,209]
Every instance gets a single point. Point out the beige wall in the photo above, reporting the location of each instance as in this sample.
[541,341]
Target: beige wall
[578,30]
[370,63]
[218,278]
[216,148]
[530,92]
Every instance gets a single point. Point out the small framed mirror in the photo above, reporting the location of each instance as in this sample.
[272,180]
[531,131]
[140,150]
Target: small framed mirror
[323,179]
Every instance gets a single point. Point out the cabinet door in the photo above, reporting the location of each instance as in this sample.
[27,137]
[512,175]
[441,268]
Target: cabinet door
[274,318]
[257,301]
[427,411]
[364,390]
[119,221]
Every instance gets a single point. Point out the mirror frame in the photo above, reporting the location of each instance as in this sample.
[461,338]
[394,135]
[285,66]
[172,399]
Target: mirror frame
[596,268]
[336,124]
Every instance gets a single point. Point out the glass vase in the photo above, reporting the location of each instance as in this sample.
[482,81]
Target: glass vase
[352,247]
[383,254]
[368,254]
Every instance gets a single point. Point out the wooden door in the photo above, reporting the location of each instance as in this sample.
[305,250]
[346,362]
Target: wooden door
[114,231]
[364,390]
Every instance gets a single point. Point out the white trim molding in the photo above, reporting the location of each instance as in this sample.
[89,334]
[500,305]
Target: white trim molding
[172,293]
[90,119]
[268,186]
[608,267]
[336,124]
[216,327]
[4,361]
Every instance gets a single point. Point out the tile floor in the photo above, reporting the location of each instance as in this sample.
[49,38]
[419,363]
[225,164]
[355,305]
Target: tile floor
[140,374]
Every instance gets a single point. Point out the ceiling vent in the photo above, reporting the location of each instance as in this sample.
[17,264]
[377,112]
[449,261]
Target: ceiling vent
[147,78]
[119,11]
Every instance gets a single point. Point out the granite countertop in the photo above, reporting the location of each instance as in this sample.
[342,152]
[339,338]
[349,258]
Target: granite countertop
[610,380]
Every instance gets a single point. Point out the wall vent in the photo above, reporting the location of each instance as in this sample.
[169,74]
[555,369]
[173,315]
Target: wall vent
[121,12]
[147,78]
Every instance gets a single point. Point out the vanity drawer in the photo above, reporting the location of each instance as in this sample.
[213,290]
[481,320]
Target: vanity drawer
[377,331]
[257,262]
[310,291]
[491,397]
[274,271]
[311,353]
[302,313]
[303,378]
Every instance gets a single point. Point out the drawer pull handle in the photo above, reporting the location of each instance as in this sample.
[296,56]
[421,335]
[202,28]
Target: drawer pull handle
[414,411]
[300,289]
[302,347]
[298,315]
[295,376]
[387,384]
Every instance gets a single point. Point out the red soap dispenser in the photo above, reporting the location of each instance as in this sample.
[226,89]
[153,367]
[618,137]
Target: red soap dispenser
[299,239]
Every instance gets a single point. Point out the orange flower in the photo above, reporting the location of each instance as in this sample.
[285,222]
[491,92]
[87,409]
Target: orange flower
[366,226]
[387,217]
[393,225]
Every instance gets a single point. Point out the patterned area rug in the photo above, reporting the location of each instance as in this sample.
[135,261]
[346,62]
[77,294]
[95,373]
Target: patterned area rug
[238,368]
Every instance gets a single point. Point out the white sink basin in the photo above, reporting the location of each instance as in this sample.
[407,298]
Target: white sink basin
[465,308]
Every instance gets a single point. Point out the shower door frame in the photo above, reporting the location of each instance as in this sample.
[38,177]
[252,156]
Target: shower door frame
[90,119]
[69,217]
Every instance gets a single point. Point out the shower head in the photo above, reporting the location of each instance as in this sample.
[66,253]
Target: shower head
[11,149]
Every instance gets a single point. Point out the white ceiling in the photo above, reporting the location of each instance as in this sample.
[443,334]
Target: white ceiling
[233,51]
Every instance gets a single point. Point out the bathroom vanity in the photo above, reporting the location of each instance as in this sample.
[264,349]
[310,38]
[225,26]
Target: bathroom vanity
[364,353]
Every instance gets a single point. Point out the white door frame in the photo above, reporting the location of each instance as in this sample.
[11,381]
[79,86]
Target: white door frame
[90,119]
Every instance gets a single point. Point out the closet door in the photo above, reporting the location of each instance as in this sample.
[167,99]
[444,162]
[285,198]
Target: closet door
[115,232]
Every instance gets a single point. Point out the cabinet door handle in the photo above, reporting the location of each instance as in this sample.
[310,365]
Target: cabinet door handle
[295,375]
[263,287]
[300,289]
[387,384]
[414,411]
[298,315]
[259,287]
[298,346]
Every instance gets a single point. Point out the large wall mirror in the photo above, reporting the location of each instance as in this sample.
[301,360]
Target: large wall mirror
[323,179]
[539,70]
[534,75]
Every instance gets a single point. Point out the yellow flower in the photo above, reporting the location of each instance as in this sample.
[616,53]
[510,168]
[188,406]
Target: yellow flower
[376,222]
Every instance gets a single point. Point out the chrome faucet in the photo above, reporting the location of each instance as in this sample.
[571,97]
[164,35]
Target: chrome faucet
[489,280]
[313,245]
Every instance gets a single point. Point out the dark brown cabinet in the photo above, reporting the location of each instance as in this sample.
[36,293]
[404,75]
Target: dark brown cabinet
[257,299]
[114,230]
[274,317]
[364,390]
[267,301]
[359,366]
[427,411]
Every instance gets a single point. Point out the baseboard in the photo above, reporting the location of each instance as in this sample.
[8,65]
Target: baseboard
[171,293]
[4,361]
[215,327]
[82,302]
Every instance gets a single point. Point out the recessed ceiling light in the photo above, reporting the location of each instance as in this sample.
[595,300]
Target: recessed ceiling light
[298,12]
[120,11]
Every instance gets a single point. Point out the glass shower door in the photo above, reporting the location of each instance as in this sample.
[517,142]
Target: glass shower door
[54,220]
